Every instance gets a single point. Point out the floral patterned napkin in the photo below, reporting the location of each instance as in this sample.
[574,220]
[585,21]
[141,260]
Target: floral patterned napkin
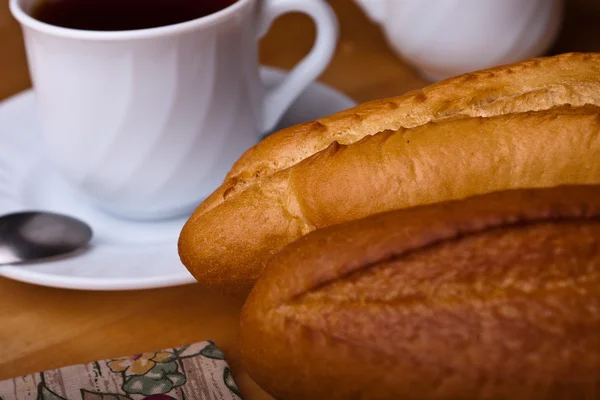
[198,371]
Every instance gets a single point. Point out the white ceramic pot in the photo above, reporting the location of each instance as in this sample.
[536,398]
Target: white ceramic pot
[443,38]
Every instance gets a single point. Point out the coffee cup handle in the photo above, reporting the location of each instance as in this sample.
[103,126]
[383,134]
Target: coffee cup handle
[278,99]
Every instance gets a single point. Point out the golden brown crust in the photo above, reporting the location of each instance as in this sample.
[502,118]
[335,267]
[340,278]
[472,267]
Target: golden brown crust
[536,84]
[492,297]
[225,248]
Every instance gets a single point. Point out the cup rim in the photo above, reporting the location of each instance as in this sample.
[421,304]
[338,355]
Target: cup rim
[27,20]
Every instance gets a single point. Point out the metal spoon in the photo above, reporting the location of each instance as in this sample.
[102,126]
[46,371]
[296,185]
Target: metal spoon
[36,236]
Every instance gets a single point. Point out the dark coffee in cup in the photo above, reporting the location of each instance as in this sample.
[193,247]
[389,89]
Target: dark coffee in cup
[122,15]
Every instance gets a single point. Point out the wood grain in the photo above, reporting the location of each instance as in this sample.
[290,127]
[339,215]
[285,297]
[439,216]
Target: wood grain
[46,328]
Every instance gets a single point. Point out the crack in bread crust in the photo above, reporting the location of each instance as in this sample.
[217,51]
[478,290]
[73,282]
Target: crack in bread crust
[412,229]
[353,287]
[392,258]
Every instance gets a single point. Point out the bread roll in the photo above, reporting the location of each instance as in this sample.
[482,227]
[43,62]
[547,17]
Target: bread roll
[226,247]
[492,297]
[536,84]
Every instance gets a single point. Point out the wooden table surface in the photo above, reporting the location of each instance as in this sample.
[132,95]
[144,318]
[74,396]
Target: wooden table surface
[44,328]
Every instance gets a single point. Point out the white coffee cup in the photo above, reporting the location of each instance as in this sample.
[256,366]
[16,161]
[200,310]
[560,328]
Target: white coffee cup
[443,38]
[145,123]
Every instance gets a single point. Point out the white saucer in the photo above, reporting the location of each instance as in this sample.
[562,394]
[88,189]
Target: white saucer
[123,255]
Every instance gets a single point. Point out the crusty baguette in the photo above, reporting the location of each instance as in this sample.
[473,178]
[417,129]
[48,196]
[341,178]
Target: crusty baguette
[492,297]
[226,247]
[537,84]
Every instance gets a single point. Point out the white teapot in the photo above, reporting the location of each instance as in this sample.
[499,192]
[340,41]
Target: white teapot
[443,38]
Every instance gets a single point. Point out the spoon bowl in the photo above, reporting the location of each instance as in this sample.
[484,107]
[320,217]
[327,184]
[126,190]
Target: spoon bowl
[37,236]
